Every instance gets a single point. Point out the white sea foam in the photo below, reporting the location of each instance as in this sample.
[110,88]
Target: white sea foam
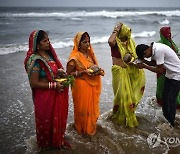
[12,48]
[31,145]
[144,34]
[164,22]
[76,18]
[103,13]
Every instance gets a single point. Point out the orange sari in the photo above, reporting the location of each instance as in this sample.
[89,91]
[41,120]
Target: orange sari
[86,91]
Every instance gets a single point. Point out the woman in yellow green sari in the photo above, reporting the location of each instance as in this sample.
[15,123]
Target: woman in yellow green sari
[87,86]
[128,81]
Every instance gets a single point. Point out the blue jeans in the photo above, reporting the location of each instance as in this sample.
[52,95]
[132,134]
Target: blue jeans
[170,92]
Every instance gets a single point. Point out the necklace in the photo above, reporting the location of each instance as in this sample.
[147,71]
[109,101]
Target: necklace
[46,58]
[85,54]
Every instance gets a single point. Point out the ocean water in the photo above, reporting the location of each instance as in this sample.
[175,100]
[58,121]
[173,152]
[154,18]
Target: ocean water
[16,113]
[62,24]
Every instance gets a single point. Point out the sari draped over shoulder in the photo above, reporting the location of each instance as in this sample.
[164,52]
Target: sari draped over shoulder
[128,83]
[85,91]
[164,32]
[51,106]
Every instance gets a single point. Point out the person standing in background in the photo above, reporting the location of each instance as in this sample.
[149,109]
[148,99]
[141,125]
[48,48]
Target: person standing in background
[50,98]
[128,82]
[165,38]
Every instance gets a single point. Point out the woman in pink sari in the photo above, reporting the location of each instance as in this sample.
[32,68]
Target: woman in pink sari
[50,98]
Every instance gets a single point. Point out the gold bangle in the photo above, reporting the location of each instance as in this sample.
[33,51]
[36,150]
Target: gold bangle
[49,85]
[115,31]
[76,73]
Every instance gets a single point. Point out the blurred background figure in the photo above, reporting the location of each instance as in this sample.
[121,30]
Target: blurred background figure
[165,38]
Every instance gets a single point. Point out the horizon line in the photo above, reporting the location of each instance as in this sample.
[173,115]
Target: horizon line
[99,6]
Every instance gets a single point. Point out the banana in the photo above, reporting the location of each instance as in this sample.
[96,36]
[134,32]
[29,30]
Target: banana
[90,70]
[132,59]
[61,80]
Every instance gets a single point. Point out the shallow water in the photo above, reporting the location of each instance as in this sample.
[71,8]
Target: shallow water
[17,116]
[112,138]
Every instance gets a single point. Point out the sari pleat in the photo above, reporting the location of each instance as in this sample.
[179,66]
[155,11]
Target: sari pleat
[50,117]
[128,89]
[86,108]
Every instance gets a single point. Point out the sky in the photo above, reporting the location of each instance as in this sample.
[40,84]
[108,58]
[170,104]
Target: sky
[91,3]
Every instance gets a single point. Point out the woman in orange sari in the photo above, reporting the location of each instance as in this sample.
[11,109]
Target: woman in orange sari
[87,87]
[50,98]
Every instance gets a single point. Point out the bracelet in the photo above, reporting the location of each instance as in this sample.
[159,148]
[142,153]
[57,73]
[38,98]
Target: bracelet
[52,85]
[115,31]
[76,73]
[55,84]
[49,85]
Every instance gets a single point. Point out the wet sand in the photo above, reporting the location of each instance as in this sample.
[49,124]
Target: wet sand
[17,114]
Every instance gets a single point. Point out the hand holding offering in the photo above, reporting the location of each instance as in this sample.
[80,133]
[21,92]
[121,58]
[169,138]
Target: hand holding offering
[95,70]
[64,79]
[61,73]
[128,58]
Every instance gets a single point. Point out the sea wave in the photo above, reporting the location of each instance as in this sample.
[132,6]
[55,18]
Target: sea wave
[103,13]
[12,48]
[144,34]
[164,22]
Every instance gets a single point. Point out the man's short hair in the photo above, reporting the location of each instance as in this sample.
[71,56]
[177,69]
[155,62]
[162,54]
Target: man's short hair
[140,50]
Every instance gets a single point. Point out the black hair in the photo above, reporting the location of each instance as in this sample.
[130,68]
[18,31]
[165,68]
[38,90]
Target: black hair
[40,36]
[84,36]
[140,50]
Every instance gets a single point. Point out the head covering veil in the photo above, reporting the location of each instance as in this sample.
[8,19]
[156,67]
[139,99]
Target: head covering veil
[32,49]
[165,35]
[75,54]
[32,56]
[125,32]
